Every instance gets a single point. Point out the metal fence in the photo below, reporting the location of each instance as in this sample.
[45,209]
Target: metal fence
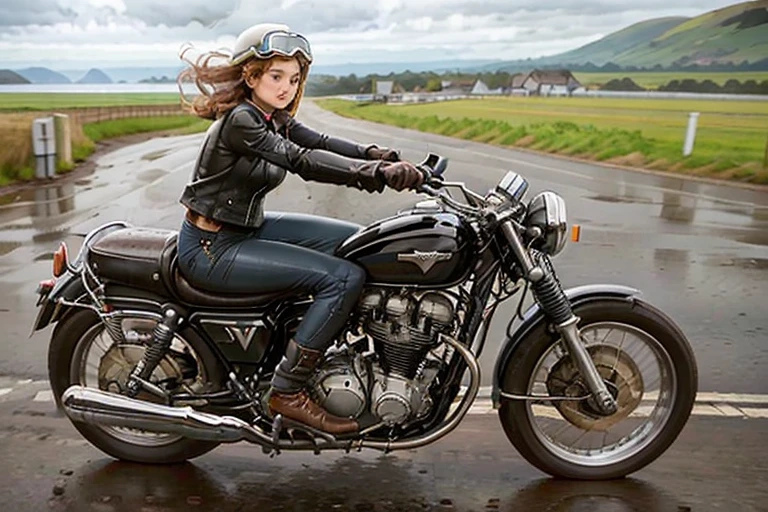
[427,97]
[97,114]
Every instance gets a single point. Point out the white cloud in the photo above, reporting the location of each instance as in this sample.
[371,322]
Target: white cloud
[117,32]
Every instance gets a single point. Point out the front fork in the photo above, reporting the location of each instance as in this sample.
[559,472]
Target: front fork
[557,307]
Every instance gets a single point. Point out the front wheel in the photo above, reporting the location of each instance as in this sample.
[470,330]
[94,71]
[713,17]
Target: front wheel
[647,365]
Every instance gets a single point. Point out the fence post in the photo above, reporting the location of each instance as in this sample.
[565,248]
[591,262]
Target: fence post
[765,157]
[690,136]
[44,147]
[63,131]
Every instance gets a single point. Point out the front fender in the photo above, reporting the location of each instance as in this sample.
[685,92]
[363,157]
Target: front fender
[534,316]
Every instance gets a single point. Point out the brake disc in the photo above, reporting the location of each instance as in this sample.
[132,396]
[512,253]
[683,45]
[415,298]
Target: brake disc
[621,375]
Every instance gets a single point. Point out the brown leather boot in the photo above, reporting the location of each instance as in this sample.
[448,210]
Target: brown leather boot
[290,399]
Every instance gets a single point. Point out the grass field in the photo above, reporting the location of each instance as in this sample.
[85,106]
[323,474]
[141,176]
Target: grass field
[16,160]
[651,80]
[730,143]
[13,101]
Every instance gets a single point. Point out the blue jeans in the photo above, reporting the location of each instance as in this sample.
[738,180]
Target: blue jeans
[288,251]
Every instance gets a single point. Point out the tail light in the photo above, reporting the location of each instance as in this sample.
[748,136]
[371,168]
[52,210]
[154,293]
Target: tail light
[60,260]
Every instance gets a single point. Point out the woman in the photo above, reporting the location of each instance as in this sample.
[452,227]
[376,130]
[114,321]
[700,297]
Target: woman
[228,244]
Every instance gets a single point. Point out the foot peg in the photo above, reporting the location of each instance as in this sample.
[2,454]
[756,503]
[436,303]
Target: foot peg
[291,427]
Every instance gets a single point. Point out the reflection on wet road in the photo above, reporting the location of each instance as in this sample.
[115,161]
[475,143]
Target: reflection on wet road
[716,464]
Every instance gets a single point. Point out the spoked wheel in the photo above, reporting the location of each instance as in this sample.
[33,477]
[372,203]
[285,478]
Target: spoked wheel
[647,366]
[88,356]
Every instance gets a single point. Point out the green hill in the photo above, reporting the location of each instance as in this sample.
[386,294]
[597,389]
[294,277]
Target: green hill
[9,77]
[734,34]
[610,47]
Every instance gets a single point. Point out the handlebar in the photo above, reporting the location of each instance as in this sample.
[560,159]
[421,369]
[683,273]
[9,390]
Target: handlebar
[433,168]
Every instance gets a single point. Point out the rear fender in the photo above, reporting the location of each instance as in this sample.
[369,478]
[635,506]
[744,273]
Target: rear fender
[534,317]
[68,287]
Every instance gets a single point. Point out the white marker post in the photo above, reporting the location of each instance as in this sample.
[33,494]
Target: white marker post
[690,135]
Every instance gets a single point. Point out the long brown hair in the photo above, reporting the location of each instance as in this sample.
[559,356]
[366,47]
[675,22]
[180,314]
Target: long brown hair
[222,86]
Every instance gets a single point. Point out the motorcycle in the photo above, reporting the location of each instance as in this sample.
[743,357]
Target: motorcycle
[592,383]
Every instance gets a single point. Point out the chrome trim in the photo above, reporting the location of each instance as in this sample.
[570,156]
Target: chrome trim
[572,337]
[110,298]
[547,212]
[132,313]
[474,371]
[424,260]
[543,398]
[235,330]
[512,186]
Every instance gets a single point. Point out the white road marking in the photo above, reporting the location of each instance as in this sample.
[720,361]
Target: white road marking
[729,410]
[711,397]
[755,413]
[43,396]
[709,403]
[721,410]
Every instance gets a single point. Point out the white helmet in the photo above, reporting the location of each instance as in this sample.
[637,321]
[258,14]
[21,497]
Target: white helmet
[266,40]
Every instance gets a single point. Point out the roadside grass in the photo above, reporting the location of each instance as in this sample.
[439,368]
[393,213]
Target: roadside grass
[730,141]
[32,101]
[17,160]
[652,80]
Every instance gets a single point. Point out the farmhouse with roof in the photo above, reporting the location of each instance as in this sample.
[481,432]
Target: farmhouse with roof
[548,82]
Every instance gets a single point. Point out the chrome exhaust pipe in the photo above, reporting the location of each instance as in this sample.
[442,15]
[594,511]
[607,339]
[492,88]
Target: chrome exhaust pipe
[96,407]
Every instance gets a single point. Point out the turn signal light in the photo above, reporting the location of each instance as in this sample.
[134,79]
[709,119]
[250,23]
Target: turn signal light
[575,232]
[60,260]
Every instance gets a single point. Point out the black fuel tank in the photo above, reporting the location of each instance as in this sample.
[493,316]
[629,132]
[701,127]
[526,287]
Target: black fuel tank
[419,247]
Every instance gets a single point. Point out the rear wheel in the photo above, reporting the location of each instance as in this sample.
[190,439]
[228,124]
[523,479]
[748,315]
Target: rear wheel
[647,365]
[83,353]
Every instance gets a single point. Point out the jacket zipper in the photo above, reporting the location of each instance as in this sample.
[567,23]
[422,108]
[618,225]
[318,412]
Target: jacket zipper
[250,205]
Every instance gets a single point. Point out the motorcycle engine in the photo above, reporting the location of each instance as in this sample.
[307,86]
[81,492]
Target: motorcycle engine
[394,387]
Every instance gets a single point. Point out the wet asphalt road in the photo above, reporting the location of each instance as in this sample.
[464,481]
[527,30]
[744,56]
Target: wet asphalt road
[697,251]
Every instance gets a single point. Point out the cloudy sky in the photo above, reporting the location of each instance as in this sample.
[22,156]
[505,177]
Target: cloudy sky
[65,34]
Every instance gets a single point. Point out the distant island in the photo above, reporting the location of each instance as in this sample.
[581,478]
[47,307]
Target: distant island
[38,75]
[154,80]
[10,77]
[95,76]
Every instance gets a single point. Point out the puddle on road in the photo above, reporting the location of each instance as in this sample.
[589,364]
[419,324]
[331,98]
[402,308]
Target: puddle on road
[155,155]
[6,247]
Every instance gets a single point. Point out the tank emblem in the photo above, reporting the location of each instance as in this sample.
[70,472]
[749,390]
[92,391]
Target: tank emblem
[424,260]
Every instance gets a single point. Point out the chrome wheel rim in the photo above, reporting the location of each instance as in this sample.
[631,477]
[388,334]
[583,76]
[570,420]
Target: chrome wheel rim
[105,364]
[628,435]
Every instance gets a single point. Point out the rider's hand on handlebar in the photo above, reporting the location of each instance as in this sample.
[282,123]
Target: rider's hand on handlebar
[401,175]
[386,154]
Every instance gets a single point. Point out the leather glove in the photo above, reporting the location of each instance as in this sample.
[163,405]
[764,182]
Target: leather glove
[401,175]
[386,154]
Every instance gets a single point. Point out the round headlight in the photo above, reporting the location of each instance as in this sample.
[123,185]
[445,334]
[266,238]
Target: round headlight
[546,211]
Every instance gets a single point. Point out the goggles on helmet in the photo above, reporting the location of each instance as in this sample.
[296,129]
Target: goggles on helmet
[277,42]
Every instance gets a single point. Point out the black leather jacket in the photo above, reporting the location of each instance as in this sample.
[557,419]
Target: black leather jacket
[244,156]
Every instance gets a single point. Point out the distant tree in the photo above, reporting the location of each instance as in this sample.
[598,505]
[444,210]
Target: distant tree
[610,67]
[434,85]
[625,84]
[732,86]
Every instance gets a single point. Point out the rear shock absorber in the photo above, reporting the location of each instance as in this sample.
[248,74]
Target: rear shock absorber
[162,336]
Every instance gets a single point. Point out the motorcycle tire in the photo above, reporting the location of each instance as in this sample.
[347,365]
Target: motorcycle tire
[516,416]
